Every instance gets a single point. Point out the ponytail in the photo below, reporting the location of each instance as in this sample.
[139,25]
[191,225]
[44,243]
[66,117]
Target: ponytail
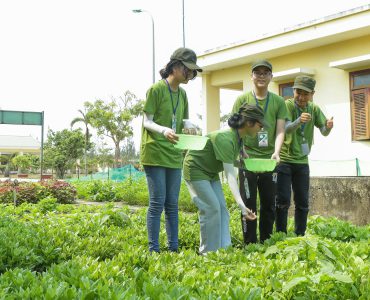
[238,120]
[235,121]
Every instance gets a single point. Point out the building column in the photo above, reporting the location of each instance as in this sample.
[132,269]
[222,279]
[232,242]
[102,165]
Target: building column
[246,85]
[211,105]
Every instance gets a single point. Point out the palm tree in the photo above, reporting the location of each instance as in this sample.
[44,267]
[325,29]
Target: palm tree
[86,120]
[7,160]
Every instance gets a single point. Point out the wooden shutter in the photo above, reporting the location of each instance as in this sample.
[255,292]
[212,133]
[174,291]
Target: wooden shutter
[360,114]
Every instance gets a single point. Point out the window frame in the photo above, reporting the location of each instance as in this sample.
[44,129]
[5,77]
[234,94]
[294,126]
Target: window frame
[284,85]
[356,73]
[365,89]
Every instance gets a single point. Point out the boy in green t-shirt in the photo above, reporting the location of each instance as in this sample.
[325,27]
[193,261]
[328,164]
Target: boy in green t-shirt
[294,171]
[266,144]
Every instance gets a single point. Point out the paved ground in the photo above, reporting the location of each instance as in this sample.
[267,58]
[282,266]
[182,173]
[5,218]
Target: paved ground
[133,208]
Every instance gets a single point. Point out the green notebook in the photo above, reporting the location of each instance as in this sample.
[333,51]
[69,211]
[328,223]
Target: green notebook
[191,142]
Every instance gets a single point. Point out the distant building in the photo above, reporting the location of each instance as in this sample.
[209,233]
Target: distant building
[19,144]
[335,50]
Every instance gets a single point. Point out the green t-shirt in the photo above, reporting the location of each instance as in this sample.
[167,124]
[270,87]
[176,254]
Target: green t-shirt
[276,110]
[155,149]
[222,147]
[291,150]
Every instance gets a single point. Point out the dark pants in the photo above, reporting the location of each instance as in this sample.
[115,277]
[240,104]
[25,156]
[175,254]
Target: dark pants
[266,184]
[296,177]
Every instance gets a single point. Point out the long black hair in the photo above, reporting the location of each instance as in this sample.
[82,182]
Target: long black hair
[168,69]
[237,120]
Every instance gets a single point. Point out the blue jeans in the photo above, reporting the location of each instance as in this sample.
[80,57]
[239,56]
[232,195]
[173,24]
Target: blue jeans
[213,215]
[296,177]
[164,187]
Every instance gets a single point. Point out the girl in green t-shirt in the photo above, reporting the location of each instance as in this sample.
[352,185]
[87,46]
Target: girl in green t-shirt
[165,108]
[201,170]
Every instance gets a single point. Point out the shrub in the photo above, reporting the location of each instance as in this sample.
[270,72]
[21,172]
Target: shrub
[33,192]
[61,190]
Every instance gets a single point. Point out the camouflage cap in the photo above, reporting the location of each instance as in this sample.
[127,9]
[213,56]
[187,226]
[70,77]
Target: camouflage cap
[187,57]
[261,63]
[253,112]
[305,83]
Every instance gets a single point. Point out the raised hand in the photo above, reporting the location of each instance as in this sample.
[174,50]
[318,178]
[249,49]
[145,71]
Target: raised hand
[330,123]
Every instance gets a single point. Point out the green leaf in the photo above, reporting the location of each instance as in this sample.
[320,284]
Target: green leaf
[342,277]
[293,283]
[271,250]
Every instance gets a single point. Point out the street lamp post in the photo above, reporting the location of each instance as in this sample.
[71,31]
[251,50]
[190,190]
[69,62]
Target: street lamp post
[183,23]
[145,11]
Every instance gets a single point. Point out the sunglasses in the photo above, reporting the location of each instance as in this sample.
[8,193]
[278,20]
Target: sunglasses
[189,73]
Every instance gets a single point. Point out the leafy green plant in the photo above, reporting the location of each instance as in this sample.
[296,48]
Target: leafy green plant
[47,204]
[62,251]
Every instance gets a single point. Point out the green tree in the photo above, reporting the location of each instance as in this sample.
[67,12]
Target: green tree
[62,148]
[86,121]
[6,161]
[113,119]
[128,152]
[24,162]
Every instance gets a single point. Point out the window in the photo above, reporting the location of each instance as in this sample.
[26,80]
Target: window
[360,105]
[361,80]
[286,90]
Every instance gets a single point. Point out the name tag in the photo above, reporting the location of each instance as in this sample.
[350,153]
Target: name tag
[263,140]
[305,149]
[173,123]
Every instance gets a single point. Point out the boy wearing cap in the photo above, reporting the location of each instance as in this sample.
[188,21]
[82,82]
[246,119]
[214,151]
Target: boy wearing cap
[293,170]
[266,144]
[165,109]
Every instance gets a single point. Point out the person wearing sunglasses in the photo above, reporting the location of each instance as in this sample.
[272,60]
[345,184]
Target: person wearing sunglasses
[165,108]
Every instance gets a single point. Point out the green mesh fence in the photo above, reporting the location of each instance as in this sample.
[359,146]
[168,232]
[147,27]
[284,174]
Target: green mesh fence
[117,174]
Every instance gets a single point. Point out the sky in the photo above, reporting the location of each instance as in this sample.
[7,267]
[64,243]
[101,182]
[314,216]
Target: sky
[55,55]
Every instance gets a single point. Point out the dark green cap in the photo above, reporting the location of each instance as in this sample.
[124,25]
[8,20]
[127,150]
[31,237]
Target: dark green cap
[187,57]
[305,83]
[261,63]
[253,112]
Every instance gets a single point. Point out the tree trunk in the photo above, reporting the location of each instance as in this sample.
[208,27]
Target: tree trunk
[117,156]
[60,172]
[85,154]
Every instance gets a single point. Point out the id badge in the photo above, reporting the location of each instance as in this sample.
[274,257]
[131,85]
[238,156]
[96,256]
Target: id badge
[174,123]
[246,188]
[263,140]
[305,149]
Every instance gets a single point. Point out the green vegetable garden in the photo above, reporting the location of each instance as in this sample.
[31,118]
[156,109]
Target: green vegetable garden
[52,250]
